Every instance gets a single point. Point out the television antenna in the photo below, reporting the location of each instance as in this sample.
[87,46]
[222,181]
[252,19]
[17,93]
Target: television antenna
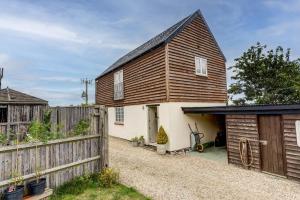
[1,76]
[86,82]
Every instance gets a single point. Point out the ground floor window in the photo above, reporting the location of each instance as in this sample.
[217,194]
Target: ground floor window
[119,114]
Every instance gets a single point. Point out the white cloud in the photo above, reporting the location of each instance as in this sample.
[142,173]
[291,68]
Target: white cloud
[38,28]
[53,31]
[60,78]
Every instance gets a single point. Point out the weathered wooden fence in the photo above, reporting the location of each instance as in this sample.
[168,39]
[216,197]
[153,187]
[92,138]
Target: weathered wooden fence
[68,117]
[63,117]
[58,160]
[19,116]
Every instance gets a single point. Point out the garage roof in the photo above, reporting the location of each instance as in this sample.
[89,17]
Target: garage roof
[250,109]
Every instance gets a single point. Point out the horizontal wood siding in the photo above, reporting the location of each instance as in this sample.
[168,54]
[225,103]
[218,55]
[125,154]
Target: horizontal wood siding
[144,81]
[185,85]
[292,151]
[242,126]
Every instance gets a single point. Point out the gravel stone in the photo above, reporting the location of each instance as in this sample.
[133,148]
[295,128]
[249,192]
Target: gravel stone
[188,177]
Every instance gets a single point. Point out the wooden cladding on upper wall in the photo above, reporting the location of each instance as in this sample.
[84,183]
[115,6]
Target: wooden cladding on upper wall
[144,81]
[184,84]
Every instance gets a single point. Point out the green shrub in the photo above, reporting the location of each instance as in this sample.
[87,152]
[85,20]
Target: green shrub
[3,138]
[108,177]
[135,139]
[47,120]
[82,127]
[162,137]
[142,139]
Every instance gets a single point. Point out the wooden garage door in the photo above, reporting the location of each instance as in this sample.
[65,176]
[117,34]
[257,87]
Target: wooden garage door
[272,153]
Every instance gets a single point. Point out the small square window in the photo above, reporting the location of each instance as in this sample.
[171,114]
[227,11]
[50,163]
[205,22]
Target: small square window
[201,66]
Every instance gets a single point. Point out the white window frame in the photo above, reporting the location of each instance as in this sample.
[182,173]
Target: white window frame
[200,66]
[119,115]
[118,85]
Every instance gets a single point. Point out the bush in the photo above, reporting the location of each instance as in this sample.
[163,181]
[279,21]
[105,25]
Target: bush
[135,139]
[3,139]
[82,127]
[141,139]
[162,137]
[108,177]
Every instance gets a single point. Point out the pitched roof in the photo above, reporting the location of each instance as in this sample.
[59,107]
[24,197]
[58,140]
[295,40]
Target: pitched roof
[10,96]
[158,40]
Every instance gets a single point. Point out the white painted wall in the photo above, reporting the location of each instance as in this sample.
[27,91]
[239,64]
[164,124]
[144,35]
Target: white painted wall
[135,122]
[171,117]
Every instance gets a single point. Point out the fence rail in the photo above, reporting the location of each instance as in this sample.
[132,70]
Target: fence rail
[58,160]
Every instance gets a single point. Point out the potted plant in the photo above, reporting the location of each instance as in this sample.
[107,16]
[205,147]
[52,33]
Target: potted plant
[141,141]
[3,140]
[37,132]
[16,190]
[38,185]
[135,141]
[161,140]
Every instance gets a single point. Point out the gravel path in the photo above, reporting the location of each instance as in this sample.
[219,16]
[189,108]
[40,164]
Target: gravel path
[190,177]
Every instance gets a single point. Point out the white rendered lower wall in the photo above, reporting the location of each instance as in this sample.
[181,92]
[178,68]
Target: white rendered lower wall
[171,117]
[135,122]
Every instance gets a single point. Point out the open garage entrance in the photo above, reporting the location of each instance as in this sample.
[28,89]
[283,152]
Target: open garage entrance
[212,130]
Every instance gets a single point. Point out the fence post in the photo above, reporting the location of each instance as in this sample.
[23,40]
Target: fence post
[102,129]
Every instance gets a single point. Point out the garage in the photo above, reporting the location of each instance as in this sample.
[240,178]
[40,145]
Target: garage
[261,137]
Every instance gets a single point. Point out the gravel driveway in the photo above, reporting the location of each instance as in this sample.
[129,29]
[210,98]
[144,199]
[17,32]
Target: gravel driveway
[191,177]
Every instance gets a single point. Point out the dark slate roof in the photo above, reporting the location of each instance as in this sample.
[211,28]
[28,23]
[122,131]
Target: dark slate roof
[158,40]
[249,109]
[10,96]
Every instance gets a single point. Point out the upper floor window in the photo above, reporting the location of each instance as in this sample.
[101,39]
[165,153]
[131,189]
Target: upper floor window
[118,85]
[201,66]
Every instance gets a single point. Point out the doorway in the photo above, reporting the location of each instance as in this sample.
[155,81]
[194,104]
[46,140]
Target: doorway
[152,123]
[270,130]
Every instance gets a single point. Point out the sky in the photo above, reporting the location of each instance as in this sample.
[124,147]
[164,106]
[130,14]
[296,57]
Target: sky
[47,47]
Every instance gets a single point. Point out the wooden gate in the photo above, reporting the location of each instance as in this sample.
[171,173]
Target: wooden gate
[271,154]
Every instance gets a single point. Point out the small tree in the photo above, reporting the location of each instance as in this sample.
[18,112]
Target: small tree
[162,137]
[265,77]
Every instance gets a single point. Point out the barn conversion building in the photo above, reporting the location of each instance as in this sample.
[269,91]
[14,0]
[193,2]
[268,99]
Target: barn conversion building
[179,78]
[180,67]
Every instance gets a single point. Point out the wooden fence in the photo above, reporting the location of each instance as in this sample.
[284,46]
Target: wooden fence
[63,117]
[58,160]
[68,117]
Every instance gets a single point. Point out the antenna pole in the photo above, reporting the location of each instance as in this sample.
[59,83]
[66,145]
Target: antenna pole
[1,76]
[86,82]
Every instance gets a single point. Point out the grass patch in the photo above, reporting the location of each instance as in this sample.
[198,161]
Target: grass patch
[89,188]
